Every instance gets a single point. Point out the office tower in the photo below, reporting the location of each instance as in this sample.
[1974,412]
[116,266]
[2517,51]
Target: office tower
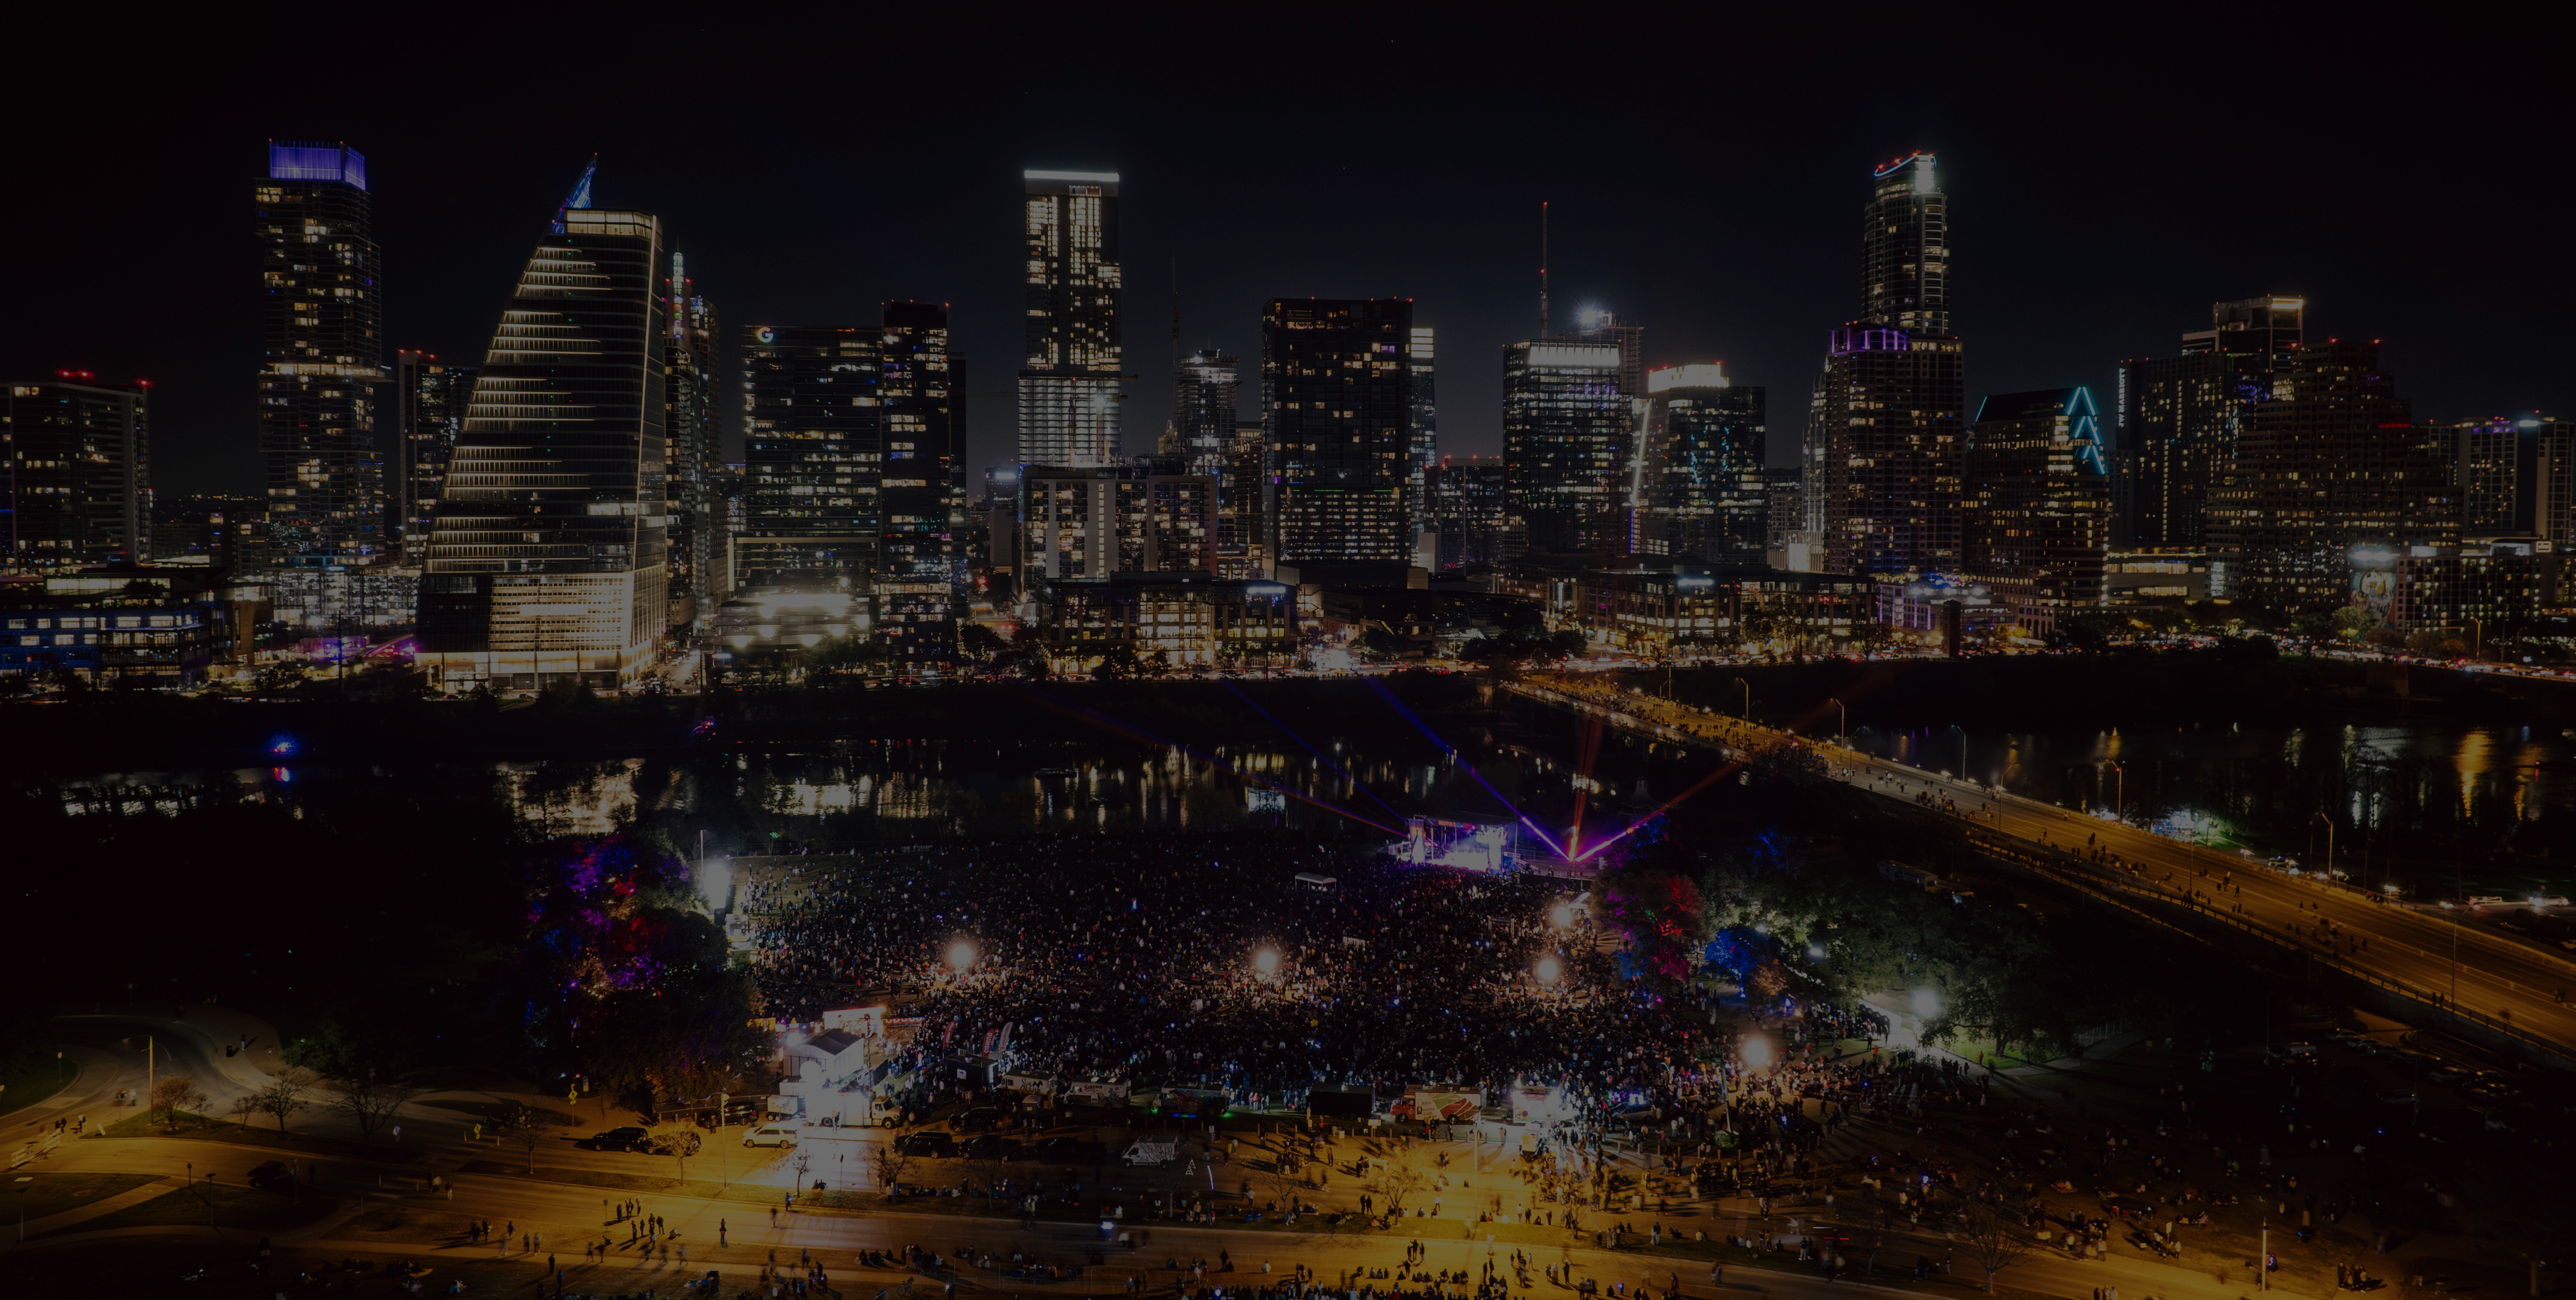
[813,449]
[2495,466]
[1070,372]
[546,559]
[1424,398]
[1144,515]
[1337,397]
[321,356]
[429,412]
[2179,416]
[1567,445]
[2329,462]
[2037,518]
[692,445]
[2553,476]
[1891,403]
[1467,509]
[78,458]
[1707,491]
[921,496]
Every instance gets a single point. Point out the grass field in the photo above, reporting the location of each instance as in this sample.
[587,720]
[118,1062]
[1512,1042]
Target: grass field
[38,1195]
[222,1205]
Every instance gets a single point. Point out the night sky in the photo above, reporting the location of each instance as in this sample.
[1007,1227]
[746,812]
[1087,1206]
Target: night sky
[1706,170]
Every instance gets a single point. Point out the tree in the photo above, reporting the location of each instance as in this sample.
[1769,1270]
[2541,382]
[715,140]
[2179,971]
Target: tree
[1395,1183]
[977,641]
[524,1126]
[368,1103]
[173,1096]
[890,1163]
[283,1097]
[1996,1240]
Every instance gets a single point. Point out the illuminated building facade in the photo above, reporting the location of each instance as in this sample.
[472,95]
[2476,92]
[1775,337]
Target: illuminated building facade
[2477,592]
[1469,511]
[1145,515]
[321,357]
[1337,399]
[1423,394]
[921,495]
[2038,512]
[76,455]
[1171,619]
[429,412]
[2330,461]
[546,560]
[1889,412]
[1071,367]
[689,384]
[813,449]
[2495,469]
[1203,404]
[1707,492]
[1568,440]
[2178,417]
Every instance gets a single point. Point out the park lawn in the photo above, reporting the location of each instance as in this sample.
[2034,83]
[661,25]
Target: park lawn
[39,1195]
[39,1080]
[244,1209]
[199,1128]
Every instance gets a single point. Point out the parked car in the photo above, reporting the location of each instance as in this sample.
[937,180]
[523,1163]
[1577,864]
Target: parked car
[930,1142]
[990,1146]
[616,1139]
[978,1119]
[769,1135]
[273,1176]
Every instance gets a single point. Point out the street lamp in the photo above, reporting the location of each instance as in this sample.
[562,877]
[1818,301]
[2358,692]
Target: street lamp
[1842,717]
[2330,829]
[1266,962]
[1548,969]
[2119,788]
[1563,915]
[961,955]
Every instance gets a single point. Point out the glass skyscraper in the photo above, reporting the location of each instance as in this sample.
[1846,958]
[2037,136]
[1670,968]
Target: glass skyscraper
[689,419]
[1568,442]
[1338,404]
[2178,417]
[75,472]
[813,448]
[1071,368]
[547,556]
[1706,488]
[1889,415]
[321,356]
[2037,518]
[429,414]
[1424,397]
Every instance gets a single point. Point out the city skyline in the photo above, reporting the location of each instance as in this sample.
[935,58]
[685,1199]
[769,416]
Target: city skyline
[1724,259]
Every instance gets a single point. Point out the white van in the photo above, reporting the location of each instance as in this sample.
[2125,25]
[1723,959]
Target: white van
[770,1135]
[1154,1149]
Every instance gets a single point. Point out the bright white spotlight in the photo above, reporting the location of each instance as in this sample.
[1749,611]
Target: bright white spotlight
[1816,951]
[1756,1053]
[1927,1002]
[1563,916]
[961,954]
[1548,969]
[1266,961]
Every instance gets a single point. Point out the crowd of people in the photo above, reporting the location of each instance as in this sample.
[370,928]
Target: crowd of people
[1203,960]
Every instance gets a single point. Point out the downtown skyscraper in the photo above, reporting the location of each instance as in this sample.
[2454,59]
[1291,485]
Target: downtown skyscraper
[321,358]
[2179,417]
[1706,491]
[1569,438]
[1071,366]
[429,413]
[2036,520]
[692,450]
[1337,400]
[1887,424]
[75,472]
[547,558]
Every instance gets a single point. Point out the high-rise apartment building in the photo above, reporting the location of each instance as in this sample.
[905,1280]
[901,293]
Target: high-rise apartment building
[321,357]
[1568,443]
[689,397]
[1215,443]
[2037,519]
[210,529]
[1071,367]
[1337,400]
[429,413]
[1468,509]
[547,558]
[1888,416]
[2178,417]
[1204,390]
[1149,514]
[1706,487]
[2330,461]
[77,457]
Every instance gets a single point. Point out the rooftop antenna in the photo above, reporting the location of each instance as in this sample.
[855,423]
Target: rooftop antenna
[1542,268]
[1176,311]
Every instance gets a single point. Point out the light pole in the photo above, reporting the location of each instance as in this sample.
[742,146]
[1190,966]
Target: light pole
[1748,698]
[2119,788]
[1842,718]
[2330,829]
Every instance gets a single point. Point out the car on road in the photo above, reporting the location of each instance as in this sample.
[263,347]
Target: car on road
[769,1135]
[931,1143]
[616,1139]
[273,1176]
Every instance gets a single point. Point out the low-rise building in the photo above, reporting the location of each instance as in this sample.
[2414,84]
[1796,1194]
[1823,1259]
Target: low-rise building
[1172,620]
[2476,591]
